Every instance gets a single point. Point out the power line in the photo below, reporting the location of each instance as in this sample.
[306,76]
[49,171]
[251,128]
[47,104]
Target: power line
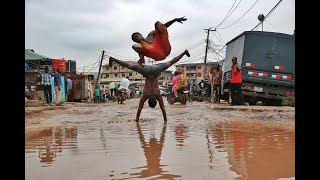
[269,13]
[222,48]
[234,8]
[95,63]
[271,25]
[240,17]
[195,45]
[227,14]
[220,37]
[192,58]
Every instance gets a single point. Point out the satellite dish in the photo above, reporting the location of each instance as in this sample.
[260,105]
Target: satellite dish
[261,17]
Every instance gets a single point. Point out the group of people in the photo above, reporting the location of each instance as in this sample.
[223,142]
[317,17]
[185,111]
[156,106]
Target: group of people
[57,82]
[105,92]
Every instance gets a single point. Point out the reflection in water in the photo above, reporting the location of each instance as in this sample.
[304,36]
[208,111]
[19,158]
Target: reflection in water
[180,131]
[152,151]
[256,154]
[214,150]
[50,142]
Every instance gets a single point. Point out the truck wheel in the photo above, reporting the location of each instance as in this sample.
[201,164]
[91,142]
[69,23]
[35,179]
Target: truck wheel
[250,100]
[272,102]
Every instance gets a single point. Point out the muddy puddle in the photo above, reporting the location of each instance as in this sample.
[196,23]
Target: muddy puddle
[152,149]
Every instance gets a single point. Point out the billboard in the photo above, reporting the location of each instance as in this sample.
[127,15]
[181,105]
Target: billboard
[61,63]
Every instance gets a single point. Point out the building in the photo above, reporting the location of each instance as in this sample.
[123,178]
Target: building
[195,71]
[165,77]
[117,72]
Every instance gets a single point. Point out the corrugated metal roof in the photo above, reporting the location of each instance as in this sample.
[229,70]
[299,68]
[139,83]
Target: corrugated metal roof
[30,55]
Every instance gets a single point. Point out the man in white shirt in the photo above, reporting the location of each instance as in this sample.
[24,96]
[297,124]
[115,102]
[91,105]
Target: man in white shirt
[89,92]
[124,83]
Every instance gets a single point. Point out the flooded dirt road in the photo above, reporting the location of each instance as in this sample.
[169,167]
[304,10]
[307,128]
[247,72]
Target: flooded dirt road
[102,141]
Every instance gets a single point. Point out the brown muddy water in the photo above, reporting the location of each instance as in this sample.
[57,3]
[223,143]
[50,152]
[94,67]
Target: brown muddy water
[151,149]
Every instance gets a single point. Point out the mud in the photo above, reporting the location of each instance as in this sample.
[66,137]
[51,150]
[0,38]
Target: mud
[199,141]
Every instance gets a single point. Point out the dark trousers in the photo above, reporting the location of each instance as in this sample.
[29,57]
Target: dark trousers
[217,89]
[113,92]
[47,93]
[236,94]
[208,90]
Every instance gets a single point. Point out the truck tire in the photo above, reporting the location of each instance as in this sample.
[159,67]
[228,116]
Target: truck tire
[272,102]
[250,100]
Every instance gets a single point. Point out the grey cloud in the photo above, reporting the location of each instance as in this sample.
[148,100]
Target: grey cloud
[81,29]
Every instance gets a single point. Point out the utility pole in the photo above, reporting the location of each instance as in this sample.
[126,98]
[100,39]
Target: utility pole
[205,57]
[99,69]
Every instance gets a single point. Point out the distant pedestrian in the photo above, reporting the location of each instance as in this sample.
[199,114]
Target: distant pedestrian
[69,87]
[217,75]
[97,93]
[46,82]
[89,92]
[57,86]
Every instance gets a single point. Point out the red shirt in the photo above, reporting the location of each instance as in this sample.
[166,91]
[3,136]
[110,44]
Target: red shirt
[236,76]
[160,48]
[175,81]
[217,75]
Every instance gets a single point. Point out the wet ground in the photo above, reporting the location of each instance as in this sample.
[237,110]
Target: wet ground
[199,141]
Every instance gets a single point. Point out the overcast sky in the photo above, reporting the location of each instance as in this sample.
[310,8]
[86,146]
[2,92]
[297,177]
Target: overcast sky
[80,29]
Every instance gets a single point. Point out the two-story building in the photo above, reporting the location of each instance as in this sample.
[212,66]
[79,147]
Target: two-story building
[195,71]
[117,72]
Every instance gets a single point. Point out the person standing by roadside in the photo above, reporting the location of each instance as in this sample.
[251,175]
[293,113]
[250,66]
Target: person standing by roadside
[97,93]
[236,83]
[57,86]
[217,75]
[46,82]
[69,88]
[103,93]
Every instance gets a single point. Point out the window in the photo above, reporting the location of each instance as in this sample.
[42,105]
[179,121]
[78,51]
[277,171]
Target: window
[101,76]
[130,74]
[190,75]
[116,75]
[199,67]
[115,68]
[122,67]
[199,74]
[191,68]
[136,73]
[107,68]
[107,75]
[123,75]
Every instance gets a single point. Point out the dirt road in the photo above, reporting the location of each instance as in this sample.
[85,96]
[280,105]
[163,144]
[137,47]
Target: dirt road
[199,141]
